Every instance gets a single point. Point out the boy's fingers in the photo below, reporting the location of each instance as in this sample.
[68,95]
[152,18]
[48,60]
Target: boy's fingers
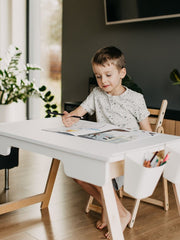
[68,120]
[65,113]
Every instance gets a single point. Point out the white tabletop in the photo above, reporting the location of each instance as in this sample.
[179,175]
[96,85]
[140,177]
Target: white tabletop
[82,158]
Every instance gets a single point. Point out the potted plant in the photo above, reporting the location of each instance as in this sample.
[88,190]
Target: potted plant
[15,85]
[175,77]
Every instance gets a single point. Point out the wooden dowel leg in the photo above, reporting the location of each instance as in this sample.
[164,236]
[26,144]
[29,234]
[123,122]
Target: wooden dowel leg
[166,197]
[176,188]
[134,213]
[110,206]
[50,182]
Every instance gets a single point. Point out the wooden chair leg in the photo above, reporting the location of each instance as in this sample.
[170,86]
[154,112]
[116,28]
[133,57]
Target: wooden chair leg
[90,201]
[166,197]
[134,213]
[90,206]
[176,189]
[6,185]
[120,192]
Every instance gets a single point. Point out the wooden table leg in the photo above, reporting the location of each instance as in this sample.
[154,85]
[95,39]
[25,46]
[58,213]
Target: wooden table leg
[42,197]
[50,182]
[109,202]
[176,188]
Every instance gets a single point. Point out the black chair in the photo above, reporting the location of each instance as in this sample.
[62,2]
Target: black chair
[7,162]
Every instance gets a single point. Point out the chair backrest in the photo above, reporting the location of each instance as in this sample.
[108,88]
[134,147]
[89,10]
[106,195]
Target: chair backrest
[156,117]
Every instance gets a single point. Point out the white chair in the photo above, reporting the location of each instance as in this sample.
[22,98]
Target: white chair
[156,120]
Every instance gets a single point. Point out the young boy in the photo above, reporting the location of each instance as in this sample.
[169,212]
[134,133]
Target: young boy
[113,103]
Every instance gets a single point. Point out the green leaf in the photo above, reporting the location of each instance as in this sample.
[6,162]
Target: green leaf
[50,98]
[6,74]
[42,88]
[48,94]
[54,106]
[33,68]
[47,105]
[176,83]
[175,76]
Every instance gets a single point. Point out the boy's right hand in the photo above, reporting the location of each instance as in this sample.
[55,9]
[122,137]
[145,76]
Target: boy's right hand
[68,120]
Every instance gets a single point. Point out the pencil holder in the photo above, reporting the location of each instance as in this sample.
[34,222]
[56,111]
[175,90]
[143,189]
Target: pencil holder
[140,181]
[172,168]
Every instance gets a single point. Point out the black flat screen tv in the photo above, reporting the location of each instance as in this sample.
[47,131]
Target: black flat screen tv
[123,11]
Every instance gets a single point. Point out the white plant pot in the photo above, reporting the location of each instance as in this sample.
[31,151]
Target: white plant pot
[13,112]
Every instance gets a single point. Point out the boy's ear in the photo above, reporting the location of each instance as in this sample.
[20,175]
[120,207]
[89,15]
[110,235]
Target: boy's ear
[123,72]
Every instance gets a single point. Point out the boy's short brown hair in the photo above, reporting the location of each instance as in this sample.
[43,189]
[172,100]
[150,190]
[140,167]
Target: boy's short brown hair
[110,54]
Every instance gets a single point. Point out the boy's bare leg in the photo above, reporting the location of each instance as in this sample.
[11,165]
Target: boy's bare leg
[91,189]
[125,215]
[95,191]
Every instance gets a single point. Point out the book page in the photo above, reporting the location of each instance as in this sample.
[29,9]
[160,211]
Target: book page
[101,132]
[82,128]
[119,136]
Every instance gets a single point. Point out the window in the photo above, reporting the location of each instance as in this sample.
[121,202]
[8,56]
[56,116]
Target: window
[51,29]
[45,30]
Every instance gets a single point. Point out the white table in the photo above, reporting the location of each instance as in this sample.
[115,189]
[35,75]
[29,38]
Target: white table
[92,161]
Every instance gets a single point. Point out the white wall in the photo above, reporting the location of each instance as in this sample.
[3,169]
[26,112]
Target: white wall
[5,26]
[34,53]
[12,25]
[13,31]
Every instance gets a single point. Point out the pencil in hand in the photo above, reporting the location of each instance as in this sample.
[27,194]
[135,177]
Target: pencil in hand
[62,114]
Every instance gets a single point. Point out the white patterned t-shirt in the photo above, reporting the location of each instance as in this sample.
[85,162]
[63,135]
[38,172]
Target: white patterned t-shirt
[125,110]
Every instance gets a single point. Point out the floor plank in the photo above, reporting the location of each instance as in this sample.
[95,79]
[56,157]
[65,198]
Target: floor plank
[65,219]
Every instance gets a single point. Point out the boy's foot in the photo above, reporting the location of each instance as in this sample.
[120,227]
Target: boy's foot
[125,220]
[107,235]
[101,225]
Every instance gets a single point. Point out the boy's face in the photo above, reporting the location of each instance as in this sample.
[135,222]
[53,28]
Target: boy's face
[109,78]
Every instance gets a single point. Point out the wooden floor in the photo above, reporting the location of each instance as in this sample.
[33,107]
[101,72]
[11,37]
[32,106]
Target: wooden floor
[65,219]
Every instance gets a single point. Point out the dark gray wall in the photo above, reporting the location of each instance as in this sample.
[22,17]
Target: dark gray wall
[151,48]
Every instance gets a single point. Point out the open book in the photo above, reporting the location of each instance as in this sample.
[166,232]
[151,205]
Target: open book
[101,132]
